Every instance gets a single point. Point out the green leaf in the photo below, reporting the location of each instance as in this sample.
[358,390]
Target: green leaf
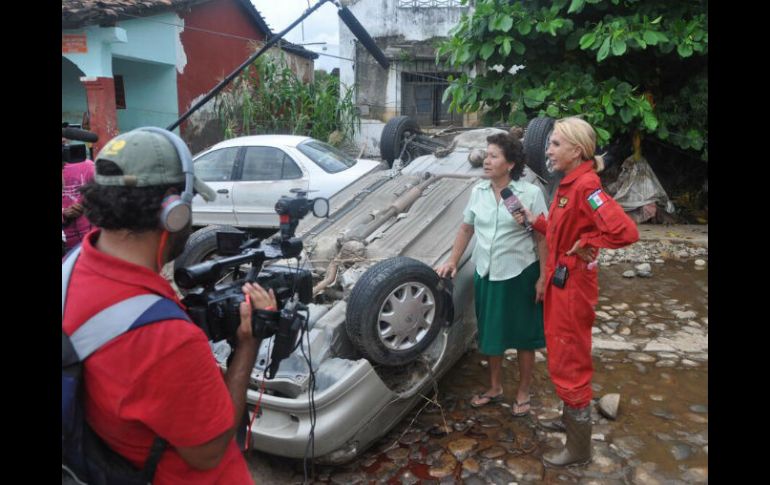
[695,139]
[684,50]
[657,20]
[650,121]
[587,40]
[505,24]
[576,6]
[505,49]
[464,56]
[534,97]
[519,48]
[650,37]
[524,27]
[661,37]
[626,114]
[447,93]
[663,132]
[610,109]
[604,50]
[552,111]
[604,136]
[618,47]
[487,50]
[519,118]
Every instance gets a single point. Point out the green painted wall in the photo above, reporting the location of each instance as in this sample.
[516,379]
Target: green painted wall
[73,94]
[151,94]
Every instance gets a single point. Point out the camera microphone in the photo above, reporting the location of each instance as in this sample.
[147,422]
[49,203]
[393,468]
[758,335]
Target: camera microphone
[513,204]
[79,135]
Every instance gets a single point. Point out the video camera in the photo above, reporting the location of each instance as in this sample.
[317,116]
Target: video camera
[214,306]
[75,153]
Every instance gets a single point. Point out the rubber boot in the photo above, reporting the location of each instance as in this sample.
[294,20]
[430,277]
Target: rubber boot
[577,451]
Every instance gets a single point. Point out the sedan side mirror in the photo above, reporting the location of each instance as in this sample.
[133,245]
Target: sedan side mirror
[320,207]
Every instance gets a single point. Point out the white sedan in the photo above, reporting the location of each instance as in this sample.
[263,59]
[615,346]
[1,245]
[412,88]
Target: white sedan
[250,174]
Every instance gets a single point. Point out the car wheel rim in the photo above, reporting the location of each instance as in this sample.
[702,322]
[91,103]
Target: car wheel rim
[406,316]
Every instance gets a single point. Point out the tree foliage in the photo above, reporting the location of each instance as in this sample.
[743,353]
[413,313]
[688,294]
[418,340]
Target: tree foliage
[268,97]
[625,65]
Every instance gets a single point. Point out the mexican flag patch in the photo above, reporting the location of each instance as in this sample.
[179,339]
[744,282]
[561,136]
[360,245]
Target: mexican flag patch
[597,199]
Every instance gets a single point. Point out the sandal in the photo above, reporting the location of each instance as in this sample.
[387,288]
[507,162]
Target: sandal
[517,404]
[481,400]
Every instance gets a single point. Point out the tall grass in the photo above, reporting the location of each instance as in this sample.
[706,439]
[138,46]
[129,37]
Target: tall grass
[268,98]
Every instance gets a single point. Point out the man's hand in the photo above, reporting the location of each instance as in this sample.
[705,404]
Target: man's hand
[586,253]
[256,298]
[540,289]
[73,211]
[447,269]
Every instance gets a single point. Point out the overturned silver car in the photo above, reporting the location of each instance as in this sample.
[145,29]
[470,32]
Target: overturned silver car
[383,327]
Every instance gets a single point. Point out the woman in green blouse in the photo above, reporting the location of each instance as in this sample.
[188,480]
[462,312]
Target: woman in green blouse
[509,266]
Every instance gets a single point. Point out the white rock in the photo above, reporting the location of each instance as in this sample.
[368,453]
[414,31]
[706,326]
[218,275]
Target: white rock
[607,329]
[640,357]
[693,323]
[629,274]
[603,315]
[608,405]
[617,338]
[689,363]
[602,344]
[665,363]
[659,261]
[655,346]
[539,357]
[625,331]
[700,262]
[668,355]
[644,267]
[597,437]
[686,315]
[595,330]
[656,326]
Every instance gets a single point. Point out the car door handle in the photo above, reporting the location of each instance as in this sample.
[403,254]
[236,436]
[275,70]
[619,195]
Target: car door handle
[223,191]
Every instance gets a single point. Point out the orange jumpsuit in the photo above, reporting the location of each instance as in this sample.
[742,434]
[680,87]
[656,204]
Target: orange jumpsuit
[579,211]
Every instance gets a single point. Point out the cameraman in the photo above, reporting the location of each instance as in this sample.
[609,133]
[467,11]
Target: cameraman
[160,379]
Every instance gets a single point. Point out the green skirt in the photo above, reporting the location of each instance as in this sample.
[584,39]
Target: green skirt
[507,314]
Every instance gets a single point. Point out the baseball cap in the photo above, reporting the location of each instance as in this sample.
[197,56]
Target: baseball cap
[146,158]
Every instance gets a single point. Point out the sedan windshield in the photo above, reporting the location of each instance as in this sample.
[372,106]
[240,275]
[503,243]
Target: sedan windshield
[326,156]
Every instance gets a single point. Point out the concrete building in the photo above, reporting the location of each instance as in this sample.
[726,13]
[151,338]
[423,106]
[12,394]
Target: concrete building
[408,32]
[132,63]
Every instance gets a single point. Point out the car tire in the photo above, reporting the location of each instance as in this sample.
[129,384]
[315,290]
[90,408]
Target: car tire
[392,139]
[401,288]
[535,141]
[201,245]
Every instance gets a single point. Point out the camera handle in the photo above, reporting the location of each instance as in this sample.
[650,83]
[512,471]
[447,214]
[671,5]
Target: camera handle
[291,322]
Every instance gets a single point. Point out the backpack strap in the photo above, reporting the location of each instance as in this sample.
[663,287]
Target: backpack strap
[66,272]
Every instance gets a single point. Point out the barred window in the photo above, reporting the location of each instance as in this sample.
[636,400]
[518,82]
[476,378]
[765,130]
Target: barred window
[429,3]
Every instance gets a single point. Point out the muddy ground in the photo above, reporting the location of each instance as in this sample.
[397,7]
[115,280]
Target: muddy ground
[650,346]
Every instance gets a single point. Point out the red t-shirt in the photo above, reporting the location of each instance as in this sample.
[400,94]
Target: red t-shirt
[160,379]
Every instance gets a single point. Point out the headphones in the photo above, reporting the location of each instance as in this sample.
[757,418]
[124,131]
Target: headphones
[176,210]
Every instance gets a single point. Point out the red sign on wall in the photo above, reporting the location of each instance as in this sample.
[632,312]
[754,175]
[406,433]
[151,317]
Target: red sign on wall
[74,44]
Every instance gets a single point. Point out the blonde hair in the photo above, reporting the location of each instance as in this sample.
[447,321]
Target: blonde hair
[582,135]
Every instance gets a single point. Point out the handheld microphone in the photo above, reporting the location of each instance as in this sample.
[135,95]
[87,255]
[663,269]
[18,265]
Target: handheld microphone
[513,204]
[79,135]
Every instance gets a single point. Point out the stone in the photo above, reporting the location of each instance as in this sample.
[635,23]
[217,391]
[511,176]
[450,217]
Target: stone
[499,475]
[461,448]
[613,325]
[598,437]
[471,465]
[642,313]
[640,357]
[398,454]
[696,475]
[408,478]
[693,323]
[700,262]
[662,413]
[539,357]
[625,331]
[603,315]
[484,363]
[444,467]
[635,401]
[665,363]
[681,451]
[602,344]
[607,329]
[685,315]
[620,306]
[657,397]
[629,274]
[660,327]
[641,368]
[525,468]
[628,446]
[608,405]
[595,330]
[656,346]
[493,452]
[643,270]
[696,418]
[699,408]
[348,478]
[659,261]
[689,363]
